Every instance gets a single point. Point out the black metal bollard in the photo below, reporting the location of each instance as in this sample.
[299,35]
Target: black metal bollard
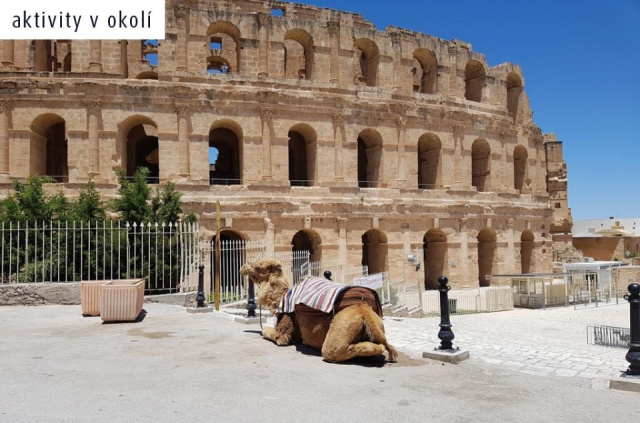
[445,334]
[633,356]
[200,297]
[327,274]
[251,303]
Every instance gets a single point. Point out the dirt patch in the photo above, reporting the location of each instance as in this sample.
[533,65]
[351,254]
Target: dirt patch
[150,335]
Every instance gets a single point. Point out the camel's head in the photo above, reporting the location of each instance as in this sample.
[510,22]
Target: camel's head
[272,284]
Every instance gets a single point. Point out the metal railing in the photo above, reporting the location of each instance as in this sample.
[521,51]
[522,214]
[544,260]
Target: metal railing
[44,252]
[154,180]
[608,336]
[301,183]
[223,181]
[427,186]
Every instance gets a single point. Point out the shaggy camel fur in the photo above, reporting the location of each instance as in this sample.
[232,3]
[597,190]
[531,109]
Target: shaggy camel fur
[355,331]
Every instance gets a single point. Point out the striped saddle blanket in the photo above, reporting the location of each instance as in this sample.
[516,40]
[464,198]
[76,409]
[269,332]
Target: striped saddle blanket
[316,294]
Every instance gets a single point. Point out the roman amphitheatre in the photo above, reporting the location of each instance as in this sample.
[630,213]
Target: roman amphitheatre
[329,135]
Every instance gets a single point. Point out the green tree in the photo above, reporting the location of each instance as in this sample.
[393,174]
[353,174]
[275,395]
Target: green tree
[166,204]
[33,204]
[133,197]
[89,206]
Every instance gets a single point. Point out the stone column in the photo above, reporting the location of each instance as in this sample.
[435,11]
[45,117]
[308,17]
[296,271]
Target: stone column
[502,136]
[264,20]
[453,72]
[342,241]
[270,230]
[464,251]
[334,39]
[396,45]
[401,125]
[6,107]
[266,116]
[184,147]
[182,13]
[338,136]
[95,64]
[94,114]
[8,57]
[458,178]
[511,252]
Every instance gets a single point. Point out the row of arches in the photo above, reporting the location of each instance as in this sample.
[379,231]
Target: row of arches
[140,148]
[434,249]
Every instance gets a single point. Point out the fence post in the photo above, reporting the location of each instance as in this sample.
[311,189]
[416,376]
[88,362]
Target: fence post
[633,356]
[200,297]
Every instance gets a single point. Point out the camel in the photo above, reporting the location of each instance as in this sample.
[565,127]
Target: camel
[352,329]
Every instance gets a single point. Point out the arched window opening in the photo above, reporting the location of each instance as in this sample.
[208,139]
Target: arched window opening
[49,148]
[526,251]
[224,45]
[218,65]
[369,158]
[367,57]
[480,164]
[514,89]
[487,243]
[306,240]
[298,54]
[520,158]
[302,155]
[150,52]
[225,170]
[63,55]
[474,78]
[434,248]
[429,167]
[43,55]
[143,151]
[425,71]
[147,75]
[374,251]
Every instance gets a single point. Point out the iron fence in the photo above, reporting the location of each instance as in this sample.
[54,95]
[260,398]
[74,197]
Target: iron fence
[43,252]
[608,336]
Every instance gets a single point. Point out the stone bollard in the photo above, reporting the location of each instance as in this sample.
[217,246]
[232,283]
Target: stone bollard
[633,356]
[200,297]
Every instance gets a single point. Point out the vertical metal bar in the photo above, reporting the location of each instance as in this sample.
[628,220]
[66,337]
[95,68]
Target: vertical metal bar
[149,252]
[18,254]
[10,247]
[111,250]
[26,250]
[81,250]
[156,251]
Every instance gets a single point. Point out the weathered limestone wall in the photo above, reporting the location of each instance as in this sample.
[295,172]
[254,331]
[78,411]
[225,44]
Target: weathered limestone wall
[449,162]
[40,294]
[607,248]
[624,276]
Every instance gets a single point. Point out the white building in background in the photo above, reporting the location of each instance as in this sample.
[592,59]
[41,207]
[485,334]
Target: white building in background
[606,227]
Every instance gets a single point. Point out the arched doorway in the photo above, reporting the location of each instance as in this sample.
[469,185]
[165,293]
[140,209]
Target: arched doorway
[487,244]
[425,71]
[306,240]
[375,251]
[434,249]
[143,150]
[369,158]
[302,155]
[480,164]
[224,44]
[232,257]
[225,153]
[474,78]
[367,58]
[520,157]
[49,147]
[298,54]
[514,89]
[526,251]
[429,148]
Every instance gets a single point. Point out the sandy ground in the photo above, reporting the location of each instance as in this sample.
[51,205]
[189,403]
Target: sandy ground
[57,366]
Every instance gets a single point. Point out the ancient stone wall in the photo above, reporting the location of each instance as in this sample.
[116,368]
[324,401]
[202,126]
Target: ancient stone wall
[369,143]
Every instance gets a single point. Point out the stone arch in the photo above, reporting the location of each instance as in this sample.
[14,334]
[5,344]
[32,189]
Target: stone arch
[487,245]
[367,58]
[520,159]
[302,155]
[49,147]
[140,146]
[514,90]
[225,138]
[216,65]
[308,240]
[150,52]
[480,164]
[375,251]
[369,158]
[434,248]
[526,251]
[429,166]
[298,56]
[425,71]
[42,53]
[147,75]
[474,78]
[226,36]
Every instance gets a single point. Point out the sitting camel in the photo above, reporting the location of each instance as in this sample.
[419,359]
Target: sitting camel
[352,327]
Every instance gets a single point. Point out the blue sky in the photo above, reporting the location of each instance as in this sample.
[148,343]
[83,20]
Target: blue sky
[581,64]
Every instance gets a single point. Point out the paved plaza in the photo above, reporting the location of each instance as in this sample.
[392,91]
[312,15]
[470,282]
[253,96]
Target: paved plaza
[532,366]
